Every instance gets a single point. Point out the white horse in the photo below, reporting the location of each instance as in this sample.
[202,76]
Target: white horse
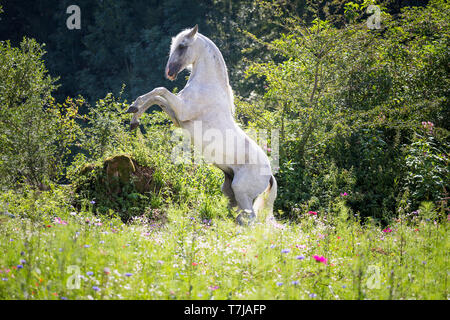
[204,108]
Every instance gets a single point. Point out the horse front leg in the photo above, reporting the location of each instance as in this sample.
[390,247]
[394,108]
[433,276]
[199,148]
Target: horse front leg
[182,111]
[160,101]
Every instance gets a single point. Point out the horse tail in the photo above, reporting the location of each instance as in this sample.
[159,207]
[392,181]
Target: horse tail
[264,202]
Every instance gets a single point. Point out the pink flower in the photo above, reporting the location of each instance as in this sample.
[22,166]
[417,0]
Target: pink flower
[59,221]
[344,194]
[321,259]
[314,213]
[387,230]
[428,125]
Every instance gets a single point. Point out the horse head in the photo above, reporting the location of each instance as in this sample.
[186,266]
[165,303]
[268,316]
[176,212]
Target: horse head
[182,52]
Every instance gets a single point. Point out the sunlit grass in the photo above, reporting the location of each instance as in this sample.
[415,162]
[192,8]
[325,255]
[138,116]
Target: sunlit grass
[81,256]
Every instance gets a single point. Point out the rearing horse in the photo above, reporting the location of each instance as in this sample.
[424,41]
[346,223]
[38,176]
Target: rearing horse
[204,108]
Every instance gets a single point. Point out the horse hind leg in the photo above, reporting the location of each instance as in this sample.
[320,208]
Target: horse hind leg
[228,191]
[246,187]
[247,214]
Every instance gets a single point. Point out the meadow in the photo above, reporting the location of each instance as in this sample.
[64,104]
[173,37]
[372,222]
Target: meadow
[78,255]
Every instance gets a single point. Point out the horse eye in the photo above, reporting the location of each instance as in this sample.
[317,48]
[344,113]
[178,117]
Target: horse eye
[182,46]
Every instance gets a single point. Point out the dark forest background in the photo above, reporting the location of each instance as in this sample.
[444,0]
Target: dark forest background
[127,41]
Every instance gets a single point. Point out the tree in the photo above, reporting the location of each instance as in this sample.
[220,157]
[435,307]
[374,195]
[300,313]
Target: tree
[35,133]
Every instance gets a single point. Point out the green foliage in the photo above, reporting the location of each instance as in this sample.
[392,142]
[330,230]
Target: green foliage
[105,127]
[427,173]
[35,133]
[348,101]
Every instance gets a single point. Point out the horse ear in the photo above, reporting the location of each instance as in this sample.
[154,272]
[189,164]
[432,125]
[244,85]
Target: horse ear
[193,31]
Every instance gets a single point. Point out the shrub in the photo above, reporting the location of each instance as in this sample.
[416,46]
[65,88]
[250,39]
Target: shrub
[35,132]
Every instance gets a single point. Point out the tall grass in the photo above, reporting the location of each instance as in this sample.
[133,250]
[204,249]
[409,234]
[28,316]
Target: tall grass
[77,255]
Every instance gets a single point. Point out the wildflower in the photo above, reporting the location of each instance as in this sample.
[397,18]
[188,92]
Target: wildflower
[4,279]
[279,284]
[344,194]
[320,259]
[295,282]
[128,274]
[160,261]
[428,125]
[92,201]
[312,295]
[59,221]
[63,298]
[90,273]
[339,238]
[344,286]
[73,213]
[22,261]
[101,241]
[313,213]
[194,264]
[300,257]
[387,230]
[272,246]
[212,288]
[106,270]
[95,288]
[19,266]
[87,246]
[285,251]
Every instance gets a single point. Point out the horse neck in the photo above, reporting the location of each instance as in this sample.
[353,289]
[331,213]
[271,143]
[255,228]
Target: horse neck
[210,66]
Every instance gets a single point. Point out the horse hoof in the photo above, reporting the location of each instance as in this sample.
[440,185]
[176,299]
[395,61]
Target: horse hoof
[246,218]
[134,125]
[132,109]
[240,221]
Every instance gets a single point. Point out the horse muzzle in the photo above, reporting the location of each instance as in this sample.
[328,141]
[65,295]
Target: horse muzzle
[172,71]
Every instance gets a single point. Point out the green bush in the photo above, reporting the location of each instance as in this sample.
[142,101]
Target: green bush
[427,174]
[348,102]
[35,132]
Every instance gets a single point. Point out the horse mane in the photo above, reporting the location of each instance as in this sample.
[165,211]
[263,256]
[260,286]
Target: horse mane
[220,61]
